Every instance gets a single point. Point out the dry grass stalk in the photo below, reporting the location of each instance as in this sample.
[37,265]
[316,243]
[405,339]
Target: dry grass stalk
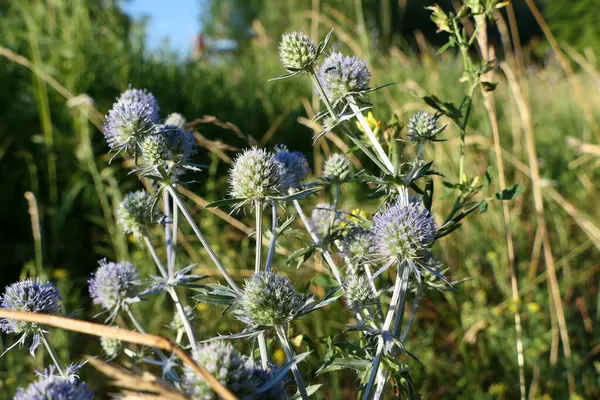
[123,335]
[488,54]
[142,381]
[534,169]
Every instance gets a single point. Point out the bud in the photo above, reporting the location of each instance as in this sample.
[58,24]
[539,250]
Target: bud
[112,347]
[337,168]
[297,52]
[423,126]
[175,119]
[359,293]
[135,213]
[256,174]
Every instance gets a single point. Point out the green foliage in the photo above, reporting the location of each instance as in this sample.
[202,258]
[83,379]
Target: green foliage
[574,23]
[466,337]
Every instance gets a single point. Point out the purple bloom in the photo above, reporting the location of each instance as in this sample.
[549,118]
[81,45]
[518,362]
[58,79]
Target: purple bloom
[340,75]
[404,231]
[295,164]
[50,386]
[114,284]
[29,296]
[130,119]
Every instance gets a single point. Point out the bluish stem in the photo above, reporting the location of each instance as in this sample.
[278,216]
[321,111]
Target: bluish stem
[273,244]
[59,366]
[289,354]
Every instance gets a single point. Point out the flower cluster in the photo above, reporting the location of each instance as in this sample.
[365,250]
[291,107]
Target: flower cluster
[257,174]
[29,296]
[51,386]
[270,299]
[342,75]
[114,284]
[236,372]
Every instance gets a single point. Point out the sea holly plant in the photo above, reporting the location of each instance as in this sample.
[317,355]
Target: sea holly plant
[379,262]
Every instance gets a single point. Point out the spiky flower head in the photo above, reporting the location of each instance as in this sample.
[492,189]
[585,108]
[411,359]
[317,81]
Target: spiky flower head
[359,293]
[423,126]
[135,213]
[29,296]
[168,148]
[256,174]
[405,230]
[111,347]
[131,118]
[222,361]
[340,75]
[52,386]
[296,166]
[270,299]
[321,218]
[357,246]
[337,168]
[175,119]
[113,284]
[297,52]
[177,323]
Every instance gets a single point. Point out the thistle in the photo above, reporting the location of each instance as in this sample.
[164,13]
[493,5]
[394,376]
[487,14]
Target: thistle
[112,347]
[297,52]
[342,75]
[55,387]
[167,150]
[359,293]
[175,119]
[114,285]
[270,300]
[29,296]
[403,231]
[357,247]
[296,166]
[256,175]
[222,361]
[423,127]
[135,213]
[130,119]
[337,168]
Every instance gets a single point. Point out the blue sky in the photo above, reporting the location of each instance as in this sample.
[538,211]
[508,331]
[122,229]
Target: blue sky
[176,20]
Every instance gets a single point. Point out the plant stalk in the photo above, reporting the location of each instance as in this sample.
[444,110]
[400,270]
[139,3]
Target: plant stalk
[59,366]
[258,209]
[202,239]
[273,244]
[289,354]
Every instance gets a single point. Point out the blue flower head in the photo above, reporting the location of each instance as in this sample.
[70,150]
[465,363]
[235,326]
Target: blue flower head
[51,386]
[131,118]
[29,296]
[296,166]
[340,75]
[404,231]
[113,285]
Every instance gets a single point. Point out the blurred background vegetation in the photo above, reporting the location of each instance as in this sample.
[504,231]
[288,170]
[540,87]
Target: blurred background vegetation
[64,61]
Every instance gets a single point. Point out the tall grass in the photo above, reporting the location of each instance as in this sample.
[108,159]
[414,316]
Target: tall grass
[50,146]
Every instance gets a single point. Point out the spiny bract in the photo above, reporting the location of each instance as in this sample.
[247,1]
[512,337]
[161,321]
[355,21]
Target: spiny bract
[296,51]
[135,212]
[341,75]
[256,174]
[113,284]
[270,299]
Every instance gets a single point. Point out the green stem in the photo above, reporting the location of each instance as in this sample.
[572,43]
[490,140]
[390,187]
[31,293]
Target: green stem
[413,313]
[136,323]
[273,244]
[369,132]
[202,239]
[59,366]
[258,209]
[289,354]
[324,97]
[318,243]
